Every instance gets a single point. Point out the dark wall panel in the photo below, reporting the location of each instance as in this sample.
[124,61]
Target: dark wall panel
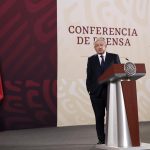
[28,63]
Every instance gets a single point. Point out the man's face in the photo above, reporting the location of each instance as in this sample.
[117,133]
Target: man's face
[100,47]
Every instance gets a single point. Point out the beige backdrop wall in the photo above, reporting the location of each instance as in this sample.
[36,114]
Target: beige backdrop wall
[74,107]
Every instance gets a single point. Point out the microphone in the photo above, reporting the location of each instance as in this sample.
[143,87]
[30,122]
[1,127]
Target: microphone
[125,58]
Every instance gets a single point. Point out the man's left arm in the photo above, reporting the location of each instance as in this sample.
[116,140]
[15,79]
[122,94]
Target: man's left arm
[117,59]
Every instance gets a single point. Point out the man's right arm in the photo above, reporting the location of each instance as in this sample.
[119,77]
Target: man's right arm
[89,76]
[90,84]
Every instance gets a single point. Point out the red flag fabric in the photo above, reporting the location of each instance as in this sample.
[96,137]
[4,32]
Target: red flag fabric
[1,90]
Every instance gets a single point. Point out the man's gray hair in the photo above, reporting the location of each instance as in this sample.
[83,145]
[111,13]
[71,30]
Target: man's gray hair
[100,39]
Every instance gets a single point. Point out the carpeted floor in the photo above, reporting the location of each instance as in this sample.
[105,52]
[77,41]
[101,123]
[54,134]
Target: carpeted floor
[60,138]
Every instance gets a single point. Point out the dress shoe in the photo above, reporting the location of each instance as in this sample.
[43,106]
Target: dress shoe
[101,142]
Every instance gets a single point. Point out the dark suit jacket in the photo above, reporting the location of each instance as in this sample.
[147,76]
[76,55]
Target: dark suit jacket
[94,71]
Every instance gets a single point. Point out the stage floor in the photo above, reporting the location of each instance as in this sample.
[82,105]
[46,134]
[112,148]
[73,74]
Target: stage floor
[60,138]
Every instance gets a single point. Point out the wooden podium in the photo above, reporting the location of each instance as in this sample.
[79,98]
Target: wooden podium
[122,125]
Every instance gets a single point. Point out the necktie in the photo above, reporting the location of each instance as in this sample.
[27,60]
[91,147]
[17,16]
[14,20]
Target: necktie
[102,62]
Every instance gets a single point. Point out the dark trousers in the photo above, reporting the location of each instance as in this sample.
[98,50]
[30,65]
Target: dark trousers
[99,105]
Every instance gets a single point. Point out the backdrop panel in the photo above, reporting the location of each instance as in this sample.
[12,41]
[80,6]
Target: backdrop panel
[124,24]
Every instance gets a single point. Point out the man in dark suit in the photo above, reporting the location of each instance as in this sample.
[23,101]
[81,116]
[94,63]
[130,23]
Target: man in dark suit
[96,65]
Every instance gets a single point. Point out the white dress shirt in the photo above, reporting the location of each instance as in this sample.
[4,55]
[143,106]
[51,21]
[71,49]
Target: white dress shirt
[99,56]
